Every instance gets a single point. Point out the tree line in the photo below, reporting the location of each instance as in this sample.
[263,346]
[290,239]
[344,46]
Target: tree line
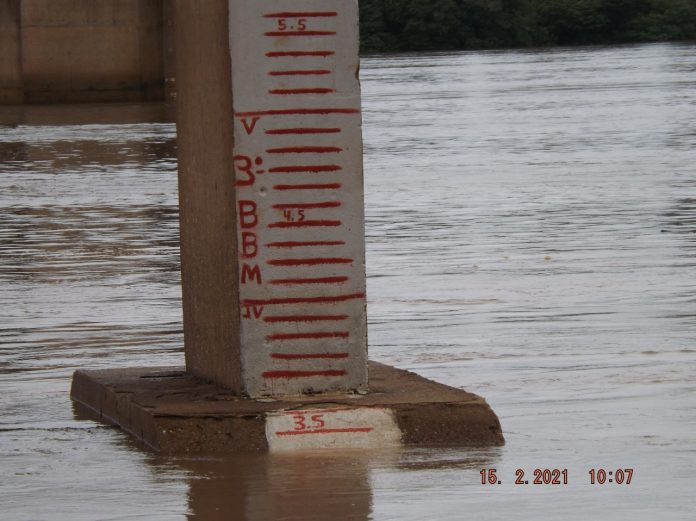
[419,25]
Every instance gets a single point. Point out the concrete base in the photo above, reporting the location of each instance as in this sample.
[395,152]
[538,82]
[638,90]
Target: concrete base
[172,412]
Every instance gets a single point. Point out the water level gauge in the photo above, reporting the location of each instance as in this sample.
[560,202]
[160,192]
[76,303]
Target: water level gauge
[298,165]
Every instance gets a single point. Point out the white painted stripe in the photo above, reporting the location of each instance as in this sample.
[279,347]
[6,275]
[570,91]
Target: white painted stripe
[331,428]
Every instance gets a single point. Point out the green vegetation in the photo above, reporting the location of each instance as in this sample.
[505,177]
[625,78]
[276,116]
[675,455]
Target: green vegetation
[415,25]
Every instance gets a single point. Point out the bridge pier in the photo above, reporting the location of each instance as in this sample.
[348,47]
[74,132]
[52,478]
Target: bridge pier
[272,241]
[11,89]
[74,51]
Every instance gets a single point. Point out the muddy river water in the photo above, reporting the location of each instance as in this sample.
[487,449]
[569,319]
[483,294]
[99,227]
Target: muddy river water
[531,237]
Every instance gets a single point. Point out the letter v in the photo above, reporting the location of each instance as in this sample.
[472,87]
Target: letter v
[249,127]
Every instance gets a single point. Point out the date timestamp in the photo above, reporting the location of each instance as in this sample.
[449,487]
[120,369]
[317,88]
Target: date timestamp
[618,476]
[598,476]
[539,477]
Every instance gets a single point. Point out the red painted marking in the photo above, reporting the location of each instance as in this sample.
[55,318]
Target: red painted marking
[326,186]
[304,150]
[306,318]
[299,244]
[309,262]
[300,33]
[305,224]
[303,130]
[301,72]
[301,14]
[287,92]
[303,374]
[297,54]
[312,335]
[325,431]
[298,112]
[309,356]
[318,280]
[249,126]
[303,300]
[326,204]
[303,168]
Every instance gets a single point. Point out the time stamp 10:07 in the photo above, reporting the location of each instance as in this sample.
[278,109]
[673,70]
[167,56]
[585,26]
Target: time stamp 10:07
[560,477]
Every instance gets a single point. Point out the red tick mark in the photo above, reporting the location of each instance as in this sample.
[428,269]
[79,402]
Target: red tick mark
[308,356]
[305,318]
[288,92]
[303,374]
[300,33]
[305,224]
[303,130]
[297,112]
[310,335]
[304,300]
[301,72]
[298,54]
[299,244]
[304,150]
[326,204]
[317,280]
[325,186]
[301,14]
[309,262]
[304,168]
[325,431]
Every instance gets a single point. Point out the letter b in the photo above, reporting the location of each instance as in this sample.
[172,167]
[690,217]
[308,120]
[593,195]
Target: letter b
[247,214]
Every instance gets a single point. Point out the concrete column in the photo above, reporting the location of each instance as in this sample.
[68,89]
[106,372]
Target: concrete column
[298,162]
[91,50]
[150,43]
[168,56]
[10,53]
[206,192]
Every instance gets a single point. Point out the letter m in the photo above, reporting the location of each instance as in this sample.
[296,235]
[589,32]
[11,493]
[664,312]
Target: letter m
[251,273]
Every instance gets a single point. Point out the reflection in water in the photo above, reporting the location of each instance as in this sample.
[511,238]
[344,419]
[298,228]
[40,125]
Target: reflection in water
[310,486]
[303,487]
[530,220]
[64,157]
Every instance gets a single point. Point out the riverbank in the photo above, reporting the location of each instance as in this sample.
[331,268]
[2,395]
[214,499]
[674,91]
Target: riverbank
[420,25]
[122,50]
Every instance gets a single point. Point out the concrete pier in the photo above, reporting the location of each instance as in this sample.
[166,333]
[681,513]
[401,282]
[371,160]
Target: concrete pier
[272,244]
[169,411]
[63,51]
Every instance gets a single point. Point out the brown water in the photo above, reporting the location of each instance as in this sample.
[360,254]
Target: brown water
[531,237]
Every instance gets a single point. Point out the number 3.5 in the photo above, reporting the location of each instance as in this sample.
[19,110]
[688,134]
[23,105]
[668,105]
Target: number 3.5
[317,422]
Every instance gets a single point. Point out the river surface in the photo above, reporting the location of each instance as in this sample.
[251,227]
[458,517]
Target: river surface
[531,237]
